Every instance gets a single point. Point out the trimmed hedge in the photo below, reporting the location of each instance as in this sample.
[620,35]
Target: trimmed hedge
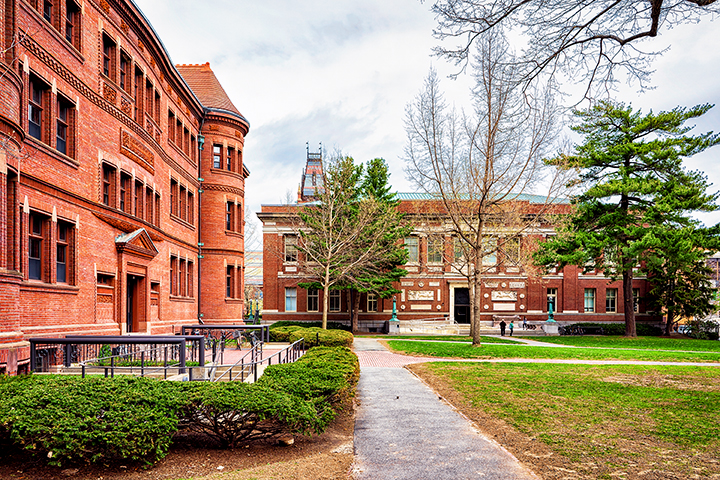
[642,329]
[317,336]
[330,325]
[101,420]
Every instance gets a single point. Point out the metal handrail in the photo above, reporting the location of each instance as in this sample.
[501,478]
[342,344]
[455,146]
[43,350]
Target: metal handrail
[253,366]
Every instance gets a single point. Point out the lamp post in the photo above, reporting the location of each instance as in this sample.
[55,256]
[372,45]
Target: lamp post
[551,304]
[394,316]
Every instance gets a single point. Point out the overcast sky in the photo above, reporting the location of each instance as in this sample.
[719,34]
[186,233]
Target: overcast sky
[341,73]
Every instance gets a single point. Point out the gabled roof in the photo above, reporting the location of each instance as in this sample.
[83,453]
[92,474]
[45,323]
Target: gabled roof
[203,82]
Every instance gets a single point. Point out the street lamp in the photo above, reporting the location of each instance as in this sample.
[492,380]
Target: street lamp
[394,317]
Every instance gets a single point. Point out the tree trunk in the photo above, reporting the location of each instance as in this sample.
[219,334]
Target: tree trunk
[326,298]
[628,303]
[476,301]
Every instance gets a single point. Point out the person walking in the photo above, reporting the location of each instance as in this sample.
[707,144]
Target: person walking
[511,327]
[524,323]
[502,328]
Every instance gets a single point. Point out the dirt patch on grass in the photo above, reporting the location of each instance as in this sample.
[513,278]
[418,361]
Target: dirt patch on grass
[609,450]
[704,384]
[324,457]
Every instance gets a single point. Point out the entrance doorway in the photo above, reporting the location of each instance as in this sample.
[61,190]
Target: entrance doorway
[462,305]
[132,310]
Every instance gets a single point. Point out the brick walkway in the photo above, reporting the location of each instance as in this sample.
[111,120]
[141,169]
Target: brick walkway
[388,360]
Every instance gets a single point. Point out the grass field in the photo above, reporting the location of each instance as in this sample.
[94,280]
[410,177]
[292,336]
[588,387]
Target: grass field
[654,343]
[605,421]
[449,349]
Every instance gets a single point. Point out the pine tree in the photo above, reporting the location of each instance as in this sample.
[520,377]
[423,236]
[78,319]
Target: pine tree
[635,190]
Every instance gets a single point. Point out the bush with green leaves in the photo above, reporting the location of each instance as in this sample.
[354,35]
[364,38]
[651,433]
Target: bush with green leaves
[307,324]
[101,420]
[282,333]
[316,336]
[71,419]
[642,329]
[703,330]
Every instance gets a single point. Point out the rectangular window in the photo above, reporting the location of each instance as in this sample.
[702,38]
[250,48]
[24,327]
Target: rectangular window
[552,294]
[229,216]
[313,300]
[589,300]
[157,210]
[149,98]
[125,193]
[636,300]
[411,244]
[171,126]
[139,195]
[108,187]
[148,205]
[62,252]
[611,300]
[179,133]
[173,275]
[229,281]
[191,208]
[217,156]
[372,302]
[37,108]
[291,299]
[458,251]
[334,300]
[186,141]
[125,72]
[190,290]
[36,246]
[63,126]
[511,249]
[435,249]
[489,246]
[138,94]
[229,159]
[72,23]
[182,291]
[108,65]
[291,254]
[173,197]
[48,10]
[156,116]
[182,201]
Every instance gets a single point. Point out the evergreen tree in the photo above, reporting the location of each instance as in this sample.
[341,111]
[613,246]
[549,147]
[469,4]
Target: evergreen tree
[635,190]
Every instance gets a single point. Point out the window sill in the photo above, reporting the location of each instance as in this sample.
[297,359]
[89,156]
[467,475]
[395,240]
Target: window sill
[232,233]
[182,222]
[226,172]
[71,162]
[233,300]
[39,285]
[177,298]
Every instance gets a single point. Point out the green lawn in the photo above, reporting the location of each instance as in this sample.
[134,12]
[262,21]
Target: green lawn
[654,343]
[449,349]
[443,338]
[604,419]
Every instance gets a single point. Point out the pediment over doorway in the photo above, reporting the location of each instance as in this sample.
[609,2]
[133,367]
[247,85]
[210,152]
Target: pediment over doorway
[137,242]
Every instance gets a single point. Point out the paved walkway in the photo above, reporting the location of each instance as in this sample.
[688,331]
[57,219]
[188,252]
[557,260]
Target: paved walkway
[403,430]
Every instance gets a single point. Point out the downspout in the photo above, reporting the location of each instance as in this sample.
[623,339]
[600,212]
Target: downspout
[201,143]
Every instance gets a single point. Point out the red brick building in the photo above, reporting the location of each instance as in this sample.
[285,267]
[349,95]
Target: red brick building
[434,287]
[121,179]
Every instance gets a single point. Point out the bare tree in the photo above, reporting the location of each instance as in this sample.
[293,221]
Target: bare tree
[588,39]
[481,166]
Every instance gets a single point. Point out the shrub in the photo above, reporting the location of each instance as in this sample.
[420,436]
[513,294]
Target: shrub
[330,325]
[282,333]
[642,329]
[233,412]
[92,419]
[316,336]
[703,330]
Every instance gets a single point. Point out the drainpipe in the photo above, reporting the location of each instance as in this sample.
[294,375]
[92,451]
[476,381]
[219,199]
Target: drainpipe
[201,143]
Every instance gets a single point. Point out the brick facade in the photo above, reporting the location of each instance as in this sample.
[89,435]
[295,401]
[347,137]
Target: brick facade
[437,290]
[106,191]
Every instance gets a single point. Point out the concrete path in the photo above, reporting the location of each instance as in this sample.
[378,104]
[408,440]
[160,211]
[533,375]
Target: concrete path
[403,430]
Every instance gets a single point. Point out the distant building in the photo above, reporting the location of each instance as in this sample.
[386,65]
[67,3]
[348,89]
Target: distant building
[435,287]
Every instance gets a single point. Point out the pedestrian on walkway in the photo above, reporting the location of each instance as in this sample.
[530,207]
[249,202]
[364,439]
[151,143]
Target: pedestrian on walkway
[524,323]
[511,327]
[502,328]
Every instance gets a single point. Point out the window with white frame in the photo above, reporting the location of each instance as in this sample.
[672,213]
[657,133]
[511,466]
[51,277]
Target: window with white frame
[611,300]
[589,300]
[291,248]
[489,246]
[290,299]
[313,300]
[636,300]
[372,302]
[412,246]
[435,249]
[552,294]
[334,300]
